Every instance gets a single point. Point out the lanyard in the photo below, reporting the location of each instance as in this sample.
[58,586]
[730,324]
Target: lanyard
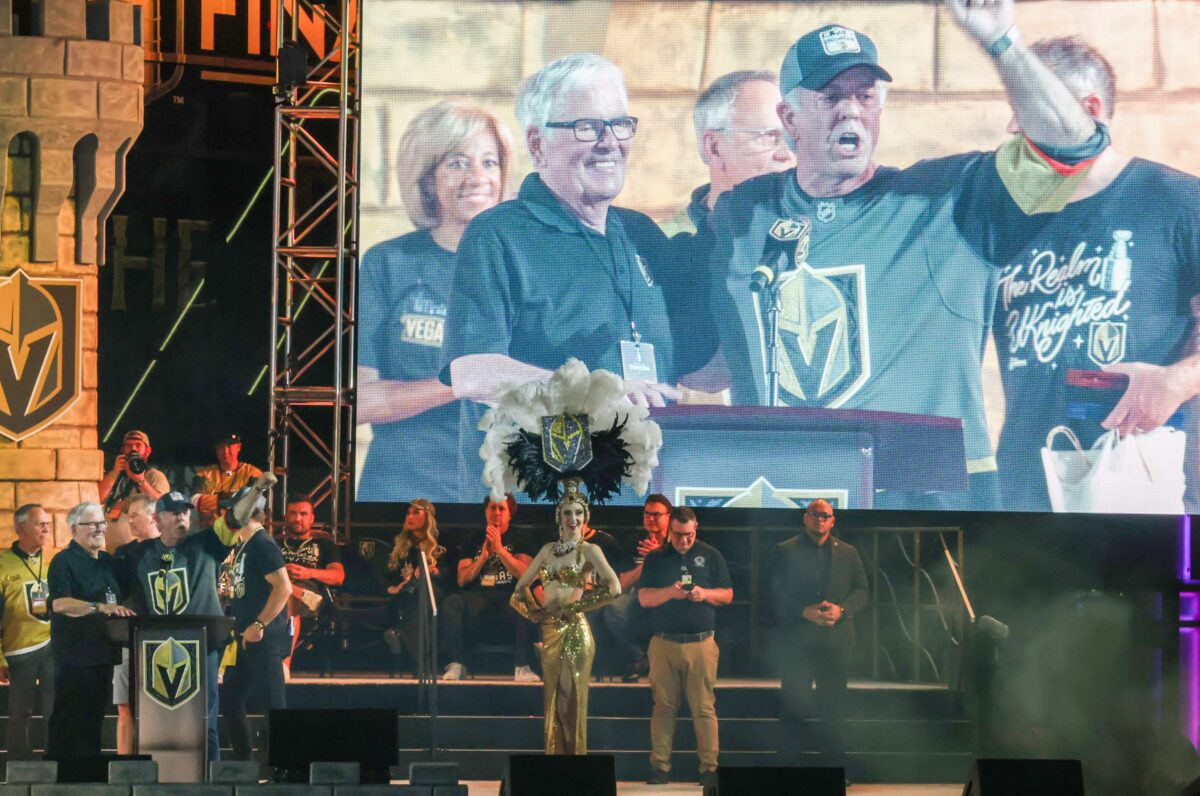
[241,549]
[41,565]
[608,258]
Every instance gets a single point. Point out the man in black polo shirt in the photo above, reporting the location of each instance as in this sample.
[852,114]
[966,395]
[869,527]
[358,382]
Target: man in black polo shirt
[622,616]
[817,587]
[177,572]
[682,585]
[83,591]
[261,590]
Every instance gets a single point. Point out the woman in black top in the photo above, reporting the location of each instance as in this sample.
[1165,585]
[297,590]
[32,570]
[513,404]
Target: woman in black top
[404,574]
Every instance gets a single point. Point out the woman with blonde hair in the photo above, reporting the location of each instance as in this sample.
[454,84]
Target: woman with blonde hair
[420,533]
[455,161]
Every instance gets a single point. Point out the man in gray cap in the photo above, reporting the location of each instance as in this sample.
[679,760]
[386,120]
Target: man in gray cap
[882,275]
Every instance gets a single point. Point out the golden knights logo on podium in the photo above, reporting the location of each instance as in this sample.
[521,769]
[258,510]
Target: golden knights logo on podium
[171,671]
[40,351]
[169,591]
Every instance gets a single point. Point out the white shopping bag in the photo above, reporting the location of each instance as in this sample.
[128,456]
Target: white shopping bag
[1140,474]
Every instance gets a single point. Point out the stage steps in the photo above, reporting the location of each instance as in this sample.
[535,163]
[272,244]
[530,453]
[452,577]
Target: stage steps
[896,733]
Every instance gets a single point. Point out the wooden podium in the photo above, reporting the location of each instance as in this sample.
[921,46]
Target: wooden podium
[760,457]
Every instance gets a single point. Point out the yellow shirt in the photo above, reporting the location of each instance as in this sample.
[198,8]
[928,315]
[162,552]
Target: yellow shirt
[21,631]
[213,480]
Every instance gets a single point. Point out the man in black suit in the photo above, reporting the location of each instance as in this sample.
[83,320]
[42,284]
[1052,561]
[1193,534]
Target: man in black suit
[817,587]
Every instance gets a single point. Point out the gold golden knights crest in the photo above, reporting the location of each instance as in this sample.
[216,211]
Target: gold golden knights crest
[566,443]
[171,671]
[40,351]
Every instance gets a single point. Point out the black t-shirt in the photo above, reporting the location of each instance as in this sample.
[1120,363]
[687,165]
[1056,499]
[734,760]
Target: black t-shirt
[631,549]
[665,566]
[613,553]
[82,641]
[174,580]
[253,560]
[411,563]
[494,577]
[315,552]
[1106,280]
[403,295]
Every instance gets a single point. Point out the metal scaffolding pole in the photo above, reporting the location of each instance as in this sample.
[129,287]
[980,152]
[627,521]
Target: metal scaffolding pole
[315,256]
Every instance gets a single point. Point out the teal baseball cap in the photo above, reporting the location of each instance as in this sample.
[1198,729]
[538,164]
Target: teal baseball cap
[821,55]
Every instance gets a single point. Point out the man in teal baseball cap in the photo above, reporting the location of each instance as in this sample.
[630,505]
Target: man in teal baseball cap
[821,55]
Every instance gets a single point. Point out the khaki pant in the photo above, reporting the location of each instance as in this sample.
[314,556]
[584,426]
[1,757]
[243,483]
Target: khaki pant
[683,671]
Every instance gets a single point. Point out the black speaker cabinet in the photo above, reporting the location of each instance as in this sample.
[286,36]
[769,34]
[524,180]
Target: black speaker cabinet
[574,775]
[778,781]
[1016,777]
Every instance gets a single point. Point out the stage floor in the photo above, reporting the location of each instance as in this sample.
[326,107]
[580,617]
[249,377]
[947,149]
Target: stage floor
[492,788]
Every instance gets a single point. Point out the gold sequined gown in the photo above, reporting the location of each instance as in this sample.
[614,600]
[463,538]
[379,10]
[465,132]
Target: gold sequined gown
[567,645]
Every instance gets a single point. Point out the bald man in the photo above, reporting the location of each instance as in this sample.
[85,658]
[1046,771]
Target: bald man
[817,587]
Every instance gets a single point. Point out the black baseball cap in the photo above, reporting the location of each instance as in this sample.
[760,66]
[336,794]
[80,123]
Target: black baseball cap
[227,439]
[174,502]
[821,55]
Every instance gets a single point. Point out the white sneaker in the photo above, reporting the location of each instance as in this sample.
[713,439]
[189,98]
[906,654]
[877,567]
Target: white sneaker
[454,671]
[523,674]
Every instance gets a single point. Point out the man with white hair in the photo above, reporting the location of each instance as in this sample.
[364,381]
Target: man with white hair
[884,304]
[738,135]
[84,591]
[1105,285]
[560,272]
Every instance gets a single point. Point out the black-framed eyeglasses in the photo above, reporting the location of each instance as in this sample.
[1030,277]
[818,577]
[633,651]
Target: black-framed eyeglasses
[96,526]
[820,515]
[588,130]
[655,513]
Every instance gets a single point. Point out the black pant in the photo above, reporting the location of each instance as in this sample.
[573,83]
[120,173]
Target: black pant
[82,695]
[257,678]
[466,613]
[825,667]
[30,675]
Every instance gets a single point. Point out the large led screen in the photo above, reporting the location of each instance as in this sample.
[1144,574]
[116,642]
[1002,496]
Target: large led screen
[896,287]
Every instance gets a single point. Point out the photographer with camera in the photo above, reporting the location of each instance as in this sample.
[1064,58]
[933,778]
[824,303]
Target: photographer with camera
[130,475]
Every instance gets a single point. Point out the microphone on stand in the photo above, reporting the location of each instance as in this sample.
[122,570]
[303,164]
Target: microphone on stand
[784,239]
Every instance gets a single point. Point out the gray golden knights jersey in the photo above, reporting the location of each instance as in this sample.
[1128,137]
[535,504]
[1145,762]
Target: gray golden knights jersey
[890,309]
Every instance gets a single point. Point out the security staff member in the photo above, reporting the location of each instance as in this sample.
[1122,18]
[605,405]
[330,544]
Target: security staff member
[816,589]
[177,573]
[83,592]
[26,663]
[682,585]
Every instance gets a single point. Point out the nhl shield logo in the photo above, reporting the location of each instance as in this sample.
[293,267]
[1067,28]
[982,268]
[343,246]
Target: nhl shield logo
[826,212]
[169,591]
[171,671]
[823,336]
[1106,342]
[40,357]
[566,443]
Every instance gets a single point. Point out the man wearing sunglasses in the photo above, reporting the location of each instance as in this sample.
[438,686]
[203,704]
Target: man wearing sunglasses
[817,587]
[560,272]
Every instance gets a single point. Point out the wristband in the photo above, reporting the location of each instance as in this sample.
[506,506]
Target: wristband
[1001,45]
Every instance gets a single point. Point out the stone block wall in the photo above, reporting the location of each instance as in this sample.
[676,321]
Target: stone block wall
[946,97]
[70,108]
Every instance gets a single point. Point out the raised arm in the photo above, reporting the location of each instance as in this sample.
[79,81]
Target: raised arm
[1045,108]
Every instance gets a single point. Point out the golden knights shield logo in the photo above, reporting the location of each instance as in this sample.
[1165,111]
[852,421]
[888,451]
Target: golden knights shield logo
[171,671]
[1106,342]
[40,351]
[169,592]
[825,353]
[566,443]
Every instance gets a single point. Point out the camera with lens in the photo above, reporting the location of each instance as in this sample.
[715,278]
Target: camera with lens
[136,464]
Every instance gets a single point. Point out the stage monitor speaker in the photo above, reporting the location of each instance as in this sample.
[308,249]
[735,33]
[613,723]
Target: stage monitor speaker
[91,768]
[576,775]
[781,780]
[1017,777]
[367,736]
